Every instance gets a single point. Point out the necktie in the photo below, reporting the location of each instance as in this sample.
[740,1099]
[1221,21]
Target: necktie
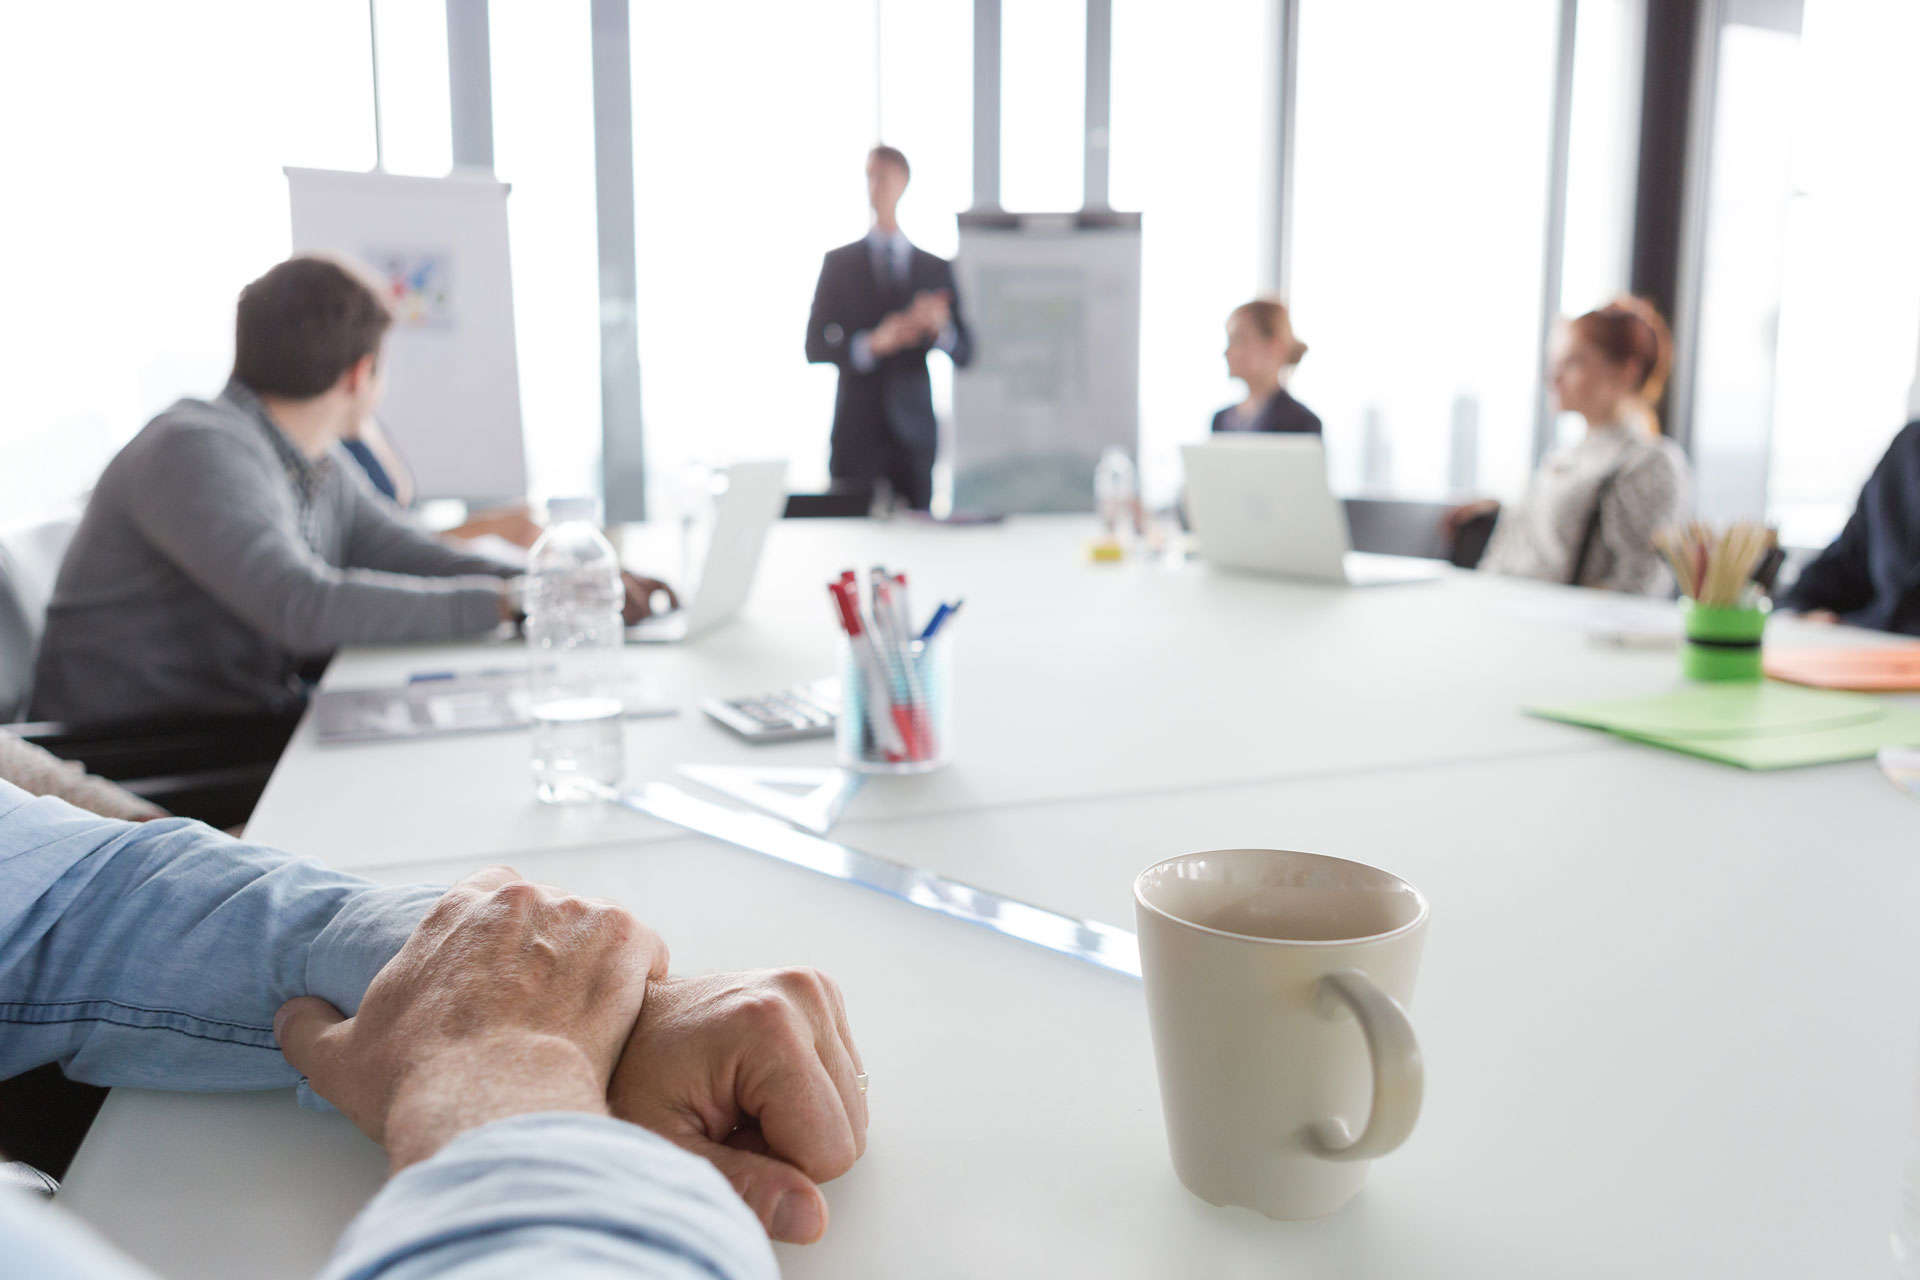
[893,275]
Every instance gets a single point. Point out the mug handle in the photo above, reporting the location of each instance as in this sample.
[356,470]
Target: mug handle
[1399,1078]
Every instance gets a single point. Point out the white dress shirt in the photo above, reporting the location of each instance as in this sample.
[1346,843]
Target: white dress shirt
[892,256]
[1540,535]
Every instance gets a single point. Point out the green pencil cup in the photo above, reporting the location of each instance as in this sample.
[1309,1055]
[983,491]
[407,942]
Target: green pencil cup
[1722,644]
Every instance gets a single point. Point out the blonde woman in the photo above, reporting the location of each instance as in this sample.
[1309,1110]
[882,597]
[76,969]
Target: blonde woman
[1262,353]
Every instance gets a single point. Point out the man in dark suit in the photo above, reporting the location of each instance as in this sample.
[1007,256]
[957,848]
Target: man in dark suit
[880,306]
[1870,575]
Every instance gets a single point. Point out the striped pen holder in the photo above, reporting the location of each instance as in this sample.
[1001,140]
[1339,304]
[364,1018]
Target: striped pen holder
[897,719]
[1722,643]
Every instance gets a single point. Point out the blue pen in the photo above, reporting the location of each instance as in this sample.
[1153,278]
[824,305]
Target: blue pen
[939,618]
[427,677]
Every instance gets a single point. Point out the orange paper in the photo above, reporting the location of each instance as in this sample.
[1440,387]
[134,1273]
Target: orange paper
[1879,670]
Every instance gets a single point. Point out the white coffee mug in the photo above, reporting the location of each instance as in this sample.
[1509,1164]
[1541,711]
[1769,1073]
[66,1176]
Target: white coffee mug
[1277,986]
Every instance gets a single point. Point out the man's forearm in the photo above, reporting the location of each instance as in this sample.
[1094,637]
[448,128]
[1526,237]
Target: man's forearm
[383,539]
[156,955]
[214,514]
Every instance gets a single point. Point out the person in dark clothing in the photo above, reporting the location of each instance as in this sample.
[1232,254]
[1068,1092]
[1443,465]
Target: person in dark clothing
[1870,575]
[377,474]
[880,305]
[387,471]
[231,544]
[1262,352]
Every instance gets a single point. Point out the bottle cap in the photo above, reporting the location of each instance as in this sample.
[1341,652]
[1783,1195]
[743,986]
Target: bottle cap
[562,510]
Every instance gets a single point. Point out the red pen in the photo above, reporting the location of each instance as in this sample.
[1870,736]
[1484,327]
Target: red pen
[903,608]
[907,709]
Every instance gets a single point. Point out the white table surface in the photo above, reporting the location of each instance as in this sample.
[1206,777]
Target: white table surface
[1072,681]
[1668,1007]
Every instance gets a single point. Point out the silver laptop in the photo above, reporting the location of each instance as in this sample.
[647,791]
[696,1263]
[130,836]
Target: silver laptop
[1262,503]
[748,499]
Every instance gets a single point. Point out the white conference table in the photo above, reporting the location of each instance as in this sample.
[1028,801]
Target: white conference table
[1668,1007]
[1074,682]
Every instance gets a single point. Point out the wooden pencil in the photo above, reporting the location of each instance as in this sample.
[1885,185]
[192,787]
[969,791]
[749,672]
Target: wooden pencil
[1714,567]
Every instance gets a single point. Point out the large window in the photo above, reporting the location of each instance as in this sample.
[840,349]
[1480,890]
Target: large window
[543,146]
[1749,187]
[1809,271]
[745,179]
[1423,140]
[1043,96]
[149,188]
[1192,152]
[1602,167]
[416,113]
[925,108]
[751,125]
[1850,276]
[1602,153]
[144,153]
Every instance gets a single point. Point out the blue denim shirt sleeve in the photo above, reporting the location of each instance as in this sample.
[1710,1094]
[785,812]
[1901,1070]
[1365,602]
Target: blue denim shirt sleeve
[556,1194]
[548,1194]
[155,954]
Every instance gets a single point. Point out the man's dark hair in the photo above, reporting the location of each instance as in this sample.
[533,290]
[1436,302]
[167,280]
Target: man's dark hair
[303,324]
[893,156]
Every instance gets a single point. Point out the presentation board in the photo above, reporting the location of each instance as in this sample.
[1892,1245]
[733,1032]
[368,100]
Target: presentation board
[439,245]
[1054,304]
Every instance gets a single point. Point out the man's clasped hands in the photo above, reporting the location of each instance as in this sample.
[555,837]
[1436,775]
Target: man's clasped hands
[513,997]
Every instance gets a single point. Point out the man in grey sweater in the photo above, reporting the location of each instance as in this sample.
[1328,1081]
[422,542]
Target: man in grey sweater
[232,542]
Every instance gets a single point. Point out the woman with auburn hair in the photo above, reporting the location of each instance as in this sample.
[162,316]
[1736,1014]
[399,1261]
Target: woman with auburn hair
[1262,353]
[1590,512]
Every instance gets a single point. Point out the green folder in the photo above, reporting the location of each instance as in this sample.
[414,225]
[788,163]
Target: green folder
[1757,725]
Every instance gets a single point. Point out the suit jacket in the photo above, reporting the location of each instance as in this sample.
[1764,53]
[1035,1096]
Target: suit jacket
[896,398]
[1870,576]
[1281,412]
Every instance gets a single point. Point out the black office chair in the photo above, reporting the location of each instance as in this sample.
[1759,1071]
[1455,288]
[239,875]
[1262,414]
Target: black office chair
[212,768]
[1389,526]
[1470,540]
[43,1118]
[841,501]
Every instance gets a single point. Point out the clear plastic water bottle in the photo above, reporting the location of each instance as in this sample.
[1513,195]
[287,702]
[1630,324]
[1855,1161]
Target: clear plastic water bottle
[693,498]
[574,642]
[1116,492]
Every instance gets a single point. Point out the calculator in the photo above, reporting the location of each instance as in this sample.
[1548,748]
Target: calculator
[787,715]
